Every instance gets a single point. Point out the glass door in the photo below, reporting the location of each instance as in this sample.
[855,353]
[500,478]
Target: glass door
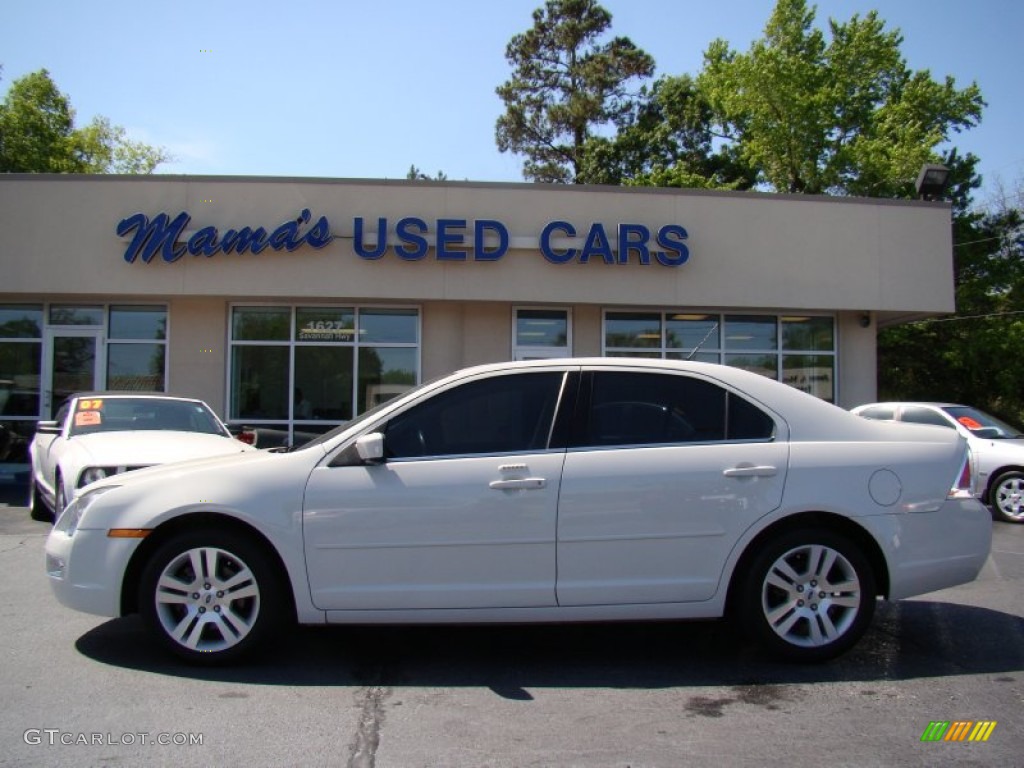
[74,363]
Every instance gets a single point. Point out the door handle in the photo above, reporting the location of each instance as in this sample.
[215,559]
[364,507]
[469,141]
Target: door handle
[750,470]
[519,484]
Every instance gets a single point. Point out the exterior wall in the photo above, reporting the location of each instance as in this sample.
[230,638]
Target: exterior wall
[746,250]
[198,350]
[857,359]
[864,262]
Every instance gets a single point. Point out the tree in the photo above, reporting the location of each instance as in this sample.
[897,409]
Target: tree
[565,87]
[38,135]
[838,116]
[415,174]
[976,356]
[666,140]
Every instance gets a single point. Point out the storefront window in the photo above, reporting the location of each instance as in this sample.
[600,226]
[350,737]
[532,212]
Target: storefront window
[20,370]
[632,329]
[304,369]
[261,324]
[323,383]
[698,335]
[137,349]
[73,314]
[388,326]
[385,372]
[805,359]
[751,332]
[541,333]
[259,382]
[20,360]
[142,322]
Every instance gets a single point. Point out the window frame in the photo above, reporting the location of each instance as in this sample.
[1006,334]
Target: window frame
[722,352]
[291,342]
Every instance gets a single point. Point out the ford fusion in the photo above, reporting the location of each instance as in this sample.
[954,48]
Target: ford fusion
[545,491]
[103,433]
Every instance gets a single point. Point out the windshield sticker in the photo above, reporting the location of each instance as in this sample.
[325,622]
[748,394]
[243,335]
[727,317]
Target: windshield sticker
[90,405]
[88,419]
[970,423]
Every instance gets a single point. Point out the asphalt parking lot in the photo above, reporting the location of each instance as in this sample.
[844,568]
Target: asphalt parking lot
[80,690]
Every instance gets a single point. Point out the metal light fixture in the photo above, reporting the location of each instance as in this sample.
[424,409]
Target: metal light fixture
[932,181]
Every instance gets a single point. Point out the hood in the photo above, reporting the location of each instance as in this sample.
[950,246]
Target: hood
[143,448]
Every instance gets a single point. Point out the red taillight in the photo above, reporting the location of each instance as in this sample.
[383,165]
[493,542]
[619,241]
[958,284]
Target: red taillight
[247,436]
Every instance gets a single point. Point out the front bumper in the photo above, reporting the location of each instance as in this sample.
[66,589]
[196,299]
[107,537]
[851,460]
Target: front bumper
[86,570]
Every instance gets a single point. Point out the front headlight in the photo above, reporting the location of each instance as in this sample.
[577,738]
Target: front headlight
[93,474]
[72,516]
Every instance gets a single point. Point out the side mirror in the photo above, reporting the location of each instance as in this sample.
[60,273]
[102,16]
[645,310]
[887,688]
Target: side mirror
[370,448]
[48,427]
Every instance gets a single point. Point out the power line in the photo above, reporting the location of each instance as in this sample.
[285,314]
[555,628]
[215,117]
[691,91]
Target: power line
[957,318]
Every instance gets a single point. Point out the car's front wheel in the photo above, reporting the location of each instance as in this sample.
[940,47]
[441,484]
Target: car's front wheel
[1007,497]
[37,508]
[211,596]
[809,595]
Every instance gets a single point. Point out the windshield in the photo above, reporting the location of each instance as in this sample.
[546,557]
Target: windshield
[981,424]
[122,414]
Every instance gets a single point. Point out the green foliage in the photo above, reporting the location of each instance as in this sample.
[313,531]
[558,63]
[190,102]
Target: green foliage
[38,135]
[565,88]
[415,174]
[977,356]
[666,140]
[837,116]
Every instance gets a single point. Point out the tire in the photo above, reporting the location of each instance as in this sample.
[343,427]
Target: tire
[1007,497]
[37,508]
[211,596]
[809,596]
[60,499]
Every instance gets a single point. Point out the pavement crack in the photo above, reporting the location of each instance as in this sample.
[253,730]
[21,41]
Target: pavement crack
[363,748]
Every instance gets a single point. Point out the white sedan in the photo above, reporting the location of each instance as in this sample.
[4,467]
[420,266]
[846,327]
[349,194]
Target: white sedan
[997,447]
[546,491]
[98,434]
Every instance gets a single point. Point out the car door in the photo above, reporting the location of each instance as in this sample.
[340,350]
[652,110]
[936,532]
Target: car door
[460,514]
[664,472]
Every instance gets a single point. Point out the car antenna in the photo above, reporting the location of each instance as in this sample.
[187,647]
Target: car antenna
[707,336]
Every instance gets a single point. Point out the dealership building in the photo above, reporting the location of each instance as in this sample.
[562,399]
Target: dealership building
[298,303]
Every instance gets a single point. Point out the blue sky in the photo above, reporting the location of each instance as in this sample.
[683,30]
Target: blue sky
[366,89]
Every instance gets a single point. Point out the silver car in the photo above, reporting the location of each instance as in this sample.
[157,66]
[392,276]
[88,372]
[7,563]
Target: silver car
[998,448]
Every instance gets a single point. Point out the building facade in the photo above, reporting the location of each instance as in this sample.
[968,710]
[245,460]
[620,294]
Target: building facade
[299,303]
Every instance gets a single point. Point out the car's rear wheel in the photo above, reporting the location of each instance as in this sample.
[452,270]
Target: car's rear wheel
[211,596]
[809,596]
[1007,497]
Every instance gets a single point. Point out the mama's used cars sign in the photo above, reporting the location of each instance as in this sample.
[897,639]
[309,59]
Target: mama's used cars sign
[410,239]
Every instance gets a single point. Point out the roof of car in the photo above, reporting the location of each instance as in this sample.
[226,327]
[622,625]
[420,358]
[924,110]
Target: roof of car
[903,403]
[119,393]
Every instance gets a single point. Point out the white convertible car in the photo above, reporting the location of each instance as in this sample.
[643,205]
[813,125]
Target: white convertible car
[98,434]
[546,491]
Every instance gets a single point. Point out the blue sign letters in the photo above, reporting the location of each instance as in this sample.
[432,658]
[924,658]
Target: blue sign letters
[453,240]
[163,235]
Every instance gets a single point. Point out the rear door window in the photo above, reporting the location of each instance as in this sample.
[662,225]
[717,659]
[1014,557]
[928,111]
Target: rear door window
[641,408]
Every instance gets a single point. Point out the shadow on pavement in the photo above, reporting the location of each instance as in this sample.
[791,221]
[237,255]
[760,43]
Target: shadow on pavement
[908,639]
